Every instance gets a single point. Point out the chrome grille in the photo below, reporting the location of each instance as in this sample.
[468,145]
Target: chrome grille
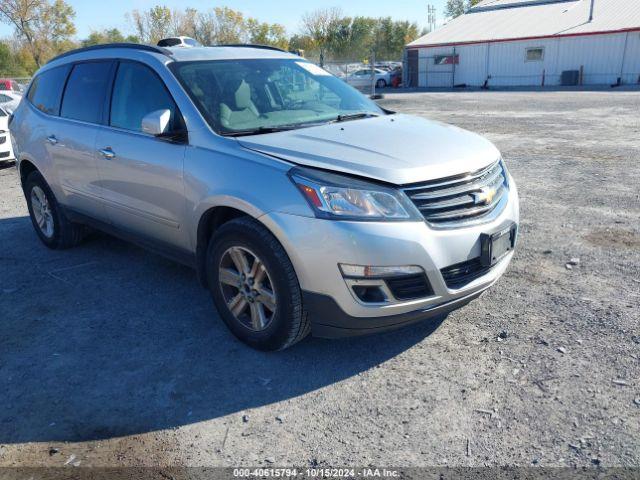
[460,198]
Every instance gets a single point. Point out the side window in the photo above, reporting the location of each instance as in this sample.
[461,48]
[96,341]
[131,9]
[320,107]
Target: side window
[137,92]
[534,54]
[86,91]
[5,98]
[46,90]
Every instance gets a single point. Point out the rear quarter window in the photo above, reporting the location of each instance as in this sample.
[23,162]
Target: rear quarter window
[46,90]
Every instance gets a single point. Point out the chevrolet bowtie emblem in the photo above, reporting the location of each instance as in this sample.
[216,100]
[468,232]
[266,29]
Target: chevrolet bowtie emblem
[484,196]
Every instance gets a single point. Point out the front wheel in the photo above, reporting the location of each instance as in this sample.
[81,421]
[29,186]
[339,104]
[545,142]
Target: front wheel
[255,287]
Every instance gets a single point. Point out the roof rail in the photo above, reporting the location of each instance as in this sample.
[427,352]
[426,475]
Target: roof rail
[132,46]
[251,45]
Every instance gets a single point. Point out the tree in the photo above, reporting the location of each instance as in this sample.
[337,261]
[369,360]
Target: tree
[230,25]
[220,25]
[44,27]
[112,35]
[301,43]
[152,25]
[455,8]
[15,63]
[356,39]
[320,25]
[267,34]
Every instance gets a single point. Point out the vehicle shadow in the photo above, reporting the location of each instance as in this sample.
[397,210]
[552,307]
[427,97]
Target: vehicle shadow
[107,340]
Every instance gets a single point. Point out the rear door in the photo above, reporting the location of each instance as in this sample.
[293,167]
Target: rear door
[141,174]
[71,137]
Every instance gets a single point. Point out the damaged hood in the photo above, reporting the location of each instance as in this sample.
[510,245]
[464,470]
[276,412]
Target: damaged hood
[398,149]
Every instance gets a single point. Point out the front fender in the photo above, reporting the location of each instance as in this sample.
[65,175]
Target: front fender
[237,178]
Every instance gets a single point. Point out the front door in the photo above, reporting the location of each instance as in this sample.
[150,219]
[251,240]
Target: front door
[141,175]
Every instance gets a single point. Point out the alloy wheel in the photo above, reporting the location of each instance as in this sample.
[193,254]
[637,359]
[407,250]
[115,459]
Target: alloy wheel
[247,288]
[42,211]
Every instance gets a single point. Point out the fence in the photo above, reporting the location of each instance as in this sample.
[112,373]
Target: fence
[430,76]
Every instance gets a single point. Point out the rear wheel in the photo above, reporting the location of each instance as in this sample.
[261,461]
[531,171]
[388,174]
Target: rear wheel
[254,286]
[49,221]
[381,83]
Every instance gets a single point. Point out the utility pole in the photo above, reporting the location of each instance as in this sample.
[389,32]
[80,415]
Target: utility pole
[431,17]
[591,10]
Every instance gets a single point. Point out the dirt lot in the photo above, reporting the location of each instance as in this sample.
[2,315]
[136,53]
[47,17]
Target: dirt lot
[110,355]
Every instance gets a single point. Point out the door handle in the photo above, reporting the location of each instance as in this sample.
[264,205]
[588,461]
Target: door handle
[52,140]
[107,153]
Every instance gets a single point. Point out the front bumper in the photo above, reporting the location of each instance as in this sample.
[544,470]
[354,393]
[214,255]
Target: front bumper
[6,149]
[328,320]
[316,247]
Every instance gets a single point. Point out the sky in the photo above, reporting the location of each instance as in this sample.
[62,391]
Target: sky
[99,14]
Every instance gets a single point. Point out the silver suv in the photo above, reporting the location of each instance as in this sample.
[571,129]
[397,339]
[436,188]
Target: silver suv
[303,206]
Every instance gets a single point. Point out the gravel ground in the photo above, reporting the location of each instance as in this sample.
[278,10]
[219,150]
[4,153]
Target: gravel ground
[110,355]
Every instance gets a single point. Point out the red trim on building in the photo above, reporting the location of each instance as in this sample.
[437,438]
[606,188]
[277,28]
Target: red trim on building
[520,39]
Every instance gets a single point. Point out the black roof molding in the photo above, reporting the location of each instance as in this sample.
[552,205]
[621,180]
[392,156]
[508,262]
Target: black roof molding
[107,46]
[251,45]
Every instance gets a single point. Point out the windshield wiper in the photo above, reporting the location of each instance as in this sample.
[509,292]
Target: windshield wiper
[354,116]
[283,128]
[258,131]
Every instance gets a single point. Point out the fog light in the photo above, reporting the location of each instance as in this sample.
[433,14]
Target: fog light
[370,293]
[367,271]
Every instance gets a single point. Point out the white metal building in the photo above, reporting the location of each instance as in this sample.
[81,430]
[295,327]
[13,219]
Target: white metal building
[531,43]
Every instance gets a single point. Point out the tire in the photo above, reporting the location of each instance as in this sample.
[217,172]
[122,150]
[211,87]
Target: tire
[62,233]
[281,328]
[381,83]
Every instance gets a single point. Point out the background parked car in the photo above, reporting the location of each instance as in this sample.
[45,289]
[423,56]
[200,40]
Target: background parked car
[6,149]
[9,100]
[362,78]
[179,42]
[7,84]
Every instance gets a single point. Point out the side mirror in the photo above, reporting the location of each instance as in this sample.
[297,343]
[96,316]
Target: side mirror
[157,123]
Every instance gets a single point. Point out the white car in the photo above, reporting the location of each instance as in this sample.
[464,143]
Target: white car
[362,78]
[187,42]
[6,149]
[9,100]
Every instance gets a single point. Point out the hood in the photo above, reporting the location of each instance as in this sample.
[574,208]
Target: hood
[398,149]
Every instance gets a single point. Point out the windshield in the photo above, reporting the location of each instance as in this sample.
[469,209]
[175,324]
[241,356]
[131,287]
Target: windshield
[267,94]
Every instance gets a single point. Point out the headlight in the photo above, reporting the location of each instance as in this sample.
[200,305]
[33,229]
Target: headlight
[505,171]
[343,198]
